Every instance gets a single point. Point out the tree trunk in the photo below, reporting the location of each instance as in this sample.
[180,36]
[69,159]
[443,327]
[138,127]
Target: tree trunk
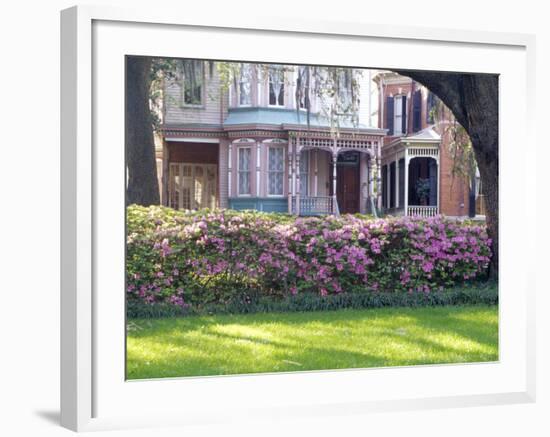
[142,183]
[473,100]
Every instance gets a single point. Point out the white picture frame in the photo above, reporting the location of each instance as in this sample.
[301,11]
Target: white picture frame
[92,391]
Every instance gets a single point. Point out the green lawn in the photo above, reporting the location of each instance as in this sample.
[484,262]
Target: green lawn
[282,342]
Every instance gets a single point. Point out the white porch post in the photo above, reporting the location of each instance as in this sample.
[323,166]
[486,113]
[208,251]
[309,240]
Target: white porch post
[406,182]
[437,184]
[396,182]
[378,168]
[289,187]
[229,170]
[258,155]
[334,163]
[297,176]
[388,181]
[372,168]
[316,173]
[363,182]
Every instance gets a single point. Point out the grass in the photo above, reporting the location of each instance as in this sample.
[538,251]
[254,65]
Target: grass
[282,342]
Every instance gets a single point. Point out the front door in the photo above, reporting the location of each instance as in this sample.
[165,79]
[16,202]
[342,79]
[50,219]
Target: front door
[347,184]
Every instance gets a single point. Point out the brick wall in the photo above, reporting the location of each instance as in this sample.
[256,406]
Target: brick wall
[454,190]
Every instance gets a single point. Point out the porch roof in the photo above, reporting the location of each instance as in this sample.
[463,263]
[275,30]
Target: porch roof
[427,135]
[285,118]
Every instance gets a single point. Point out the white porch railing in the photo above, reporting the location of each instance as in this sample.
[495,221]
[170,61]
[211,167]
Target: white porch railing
[421,210]
[314,205]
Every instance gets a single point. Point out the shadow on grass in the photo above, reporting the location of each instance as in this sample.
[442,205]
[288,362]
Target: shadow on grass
[310,341]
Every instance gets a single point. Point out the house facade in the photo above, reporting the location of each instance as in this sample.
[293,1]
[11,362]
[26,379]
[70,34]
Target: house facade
[248,144]
[419,175]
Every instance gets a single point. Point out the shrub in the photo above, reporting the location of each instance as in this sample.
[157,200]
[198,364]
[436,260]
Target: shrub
[476,295]
[220,256]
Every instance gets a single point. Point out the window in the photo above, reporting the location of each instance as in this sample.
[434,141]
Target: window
[245,85]
[417,111]
[244,170]
[480,208]
[192,186]
[302,82]
[304,173]
[193,75]
[276,87]
[275,171]
[430,107]
[399,115]
[345,83]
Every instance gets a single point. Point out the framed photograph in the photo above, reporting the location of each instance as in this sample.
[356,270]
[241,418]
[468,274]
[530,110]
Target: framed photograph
[280,218]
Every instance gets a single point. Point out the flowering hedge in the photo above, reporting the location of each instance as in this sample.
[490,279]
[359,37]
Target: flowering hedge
[198,258]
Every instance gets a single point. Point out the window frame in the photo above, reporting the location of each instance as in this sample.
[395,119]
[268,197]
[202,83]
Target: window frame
[239,171]
[282,72]
[345,93]
[250,81]
[270,172]
[398,109]
[202,103]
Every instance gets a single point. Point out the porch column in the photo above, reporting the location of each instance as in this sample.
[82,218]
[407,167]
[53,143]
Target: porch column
[388,182]
[372,170]
[315,173]
[289,171]
[223,171]
[297,176]
[378,168]
[437,184]
[396,182]
[165,173]
[406,182]
[364,195]
[229,169]
[334,163]
[258,161]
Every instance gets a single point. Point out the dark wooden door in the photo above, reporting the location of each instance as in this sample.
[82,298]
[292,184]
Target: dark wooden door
[347,188]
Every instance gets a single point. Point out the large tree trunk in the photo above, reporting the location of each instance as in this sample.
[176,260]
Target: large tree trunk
[142,186]
[473,99]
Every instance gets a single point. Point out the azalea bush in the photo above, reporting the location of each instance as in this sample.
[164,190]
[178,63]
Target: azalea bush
[221,256]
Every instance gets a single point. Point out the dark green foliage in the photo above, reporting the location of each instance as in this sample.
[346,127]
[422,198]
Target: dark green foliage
[476,294]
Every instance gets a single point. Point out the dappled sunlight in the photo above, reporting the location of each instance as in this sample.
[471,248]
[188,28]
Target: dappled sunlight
[276,342]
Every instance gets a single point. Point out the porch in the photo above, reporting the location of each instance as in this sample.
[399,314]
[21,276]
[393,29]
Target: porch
[333,175]
[411,175]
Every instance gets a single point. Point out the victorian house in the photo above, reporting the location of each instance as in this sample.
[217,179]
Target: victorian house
[418,172]
[249,144]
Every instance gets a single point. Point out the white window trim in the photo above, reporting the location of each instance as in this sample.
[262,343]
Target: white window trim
[268,171]
[395,99]
[239,194]
[238,92]
[201,105]
[268,92]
